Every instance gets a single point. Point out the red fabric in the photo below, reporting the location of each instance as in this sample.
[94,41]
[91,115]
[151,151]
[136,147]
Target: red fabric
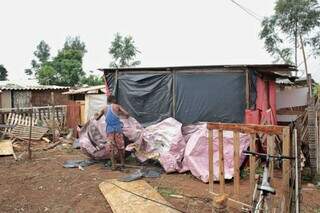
[252,116]
[266,100]
[262,95]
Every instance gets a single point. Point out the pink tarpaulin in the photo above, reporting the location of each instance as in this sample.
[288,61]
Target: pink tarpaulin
[177,148]
[92,139]
[196,152]
[163,141]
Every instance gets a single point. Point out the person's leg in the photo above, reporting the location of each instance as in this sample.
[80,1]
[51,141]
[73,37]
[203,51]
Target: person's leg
[111,140]
[120,146]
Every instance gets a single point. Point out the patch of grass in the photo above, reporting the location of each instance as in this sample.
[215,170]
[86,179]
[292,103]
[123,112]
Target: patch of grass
[166,192]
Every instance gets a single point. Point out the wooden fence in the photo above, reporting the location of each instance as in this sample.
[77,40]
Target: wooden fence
[253,131]
[41,116]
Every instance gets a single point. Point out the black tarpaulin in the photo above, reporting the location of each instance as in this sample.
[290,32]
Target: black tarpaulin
[216,97]
[147,97]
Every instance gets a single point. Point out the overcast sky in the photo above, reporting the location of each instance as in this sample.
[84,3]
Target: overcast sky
[167,32]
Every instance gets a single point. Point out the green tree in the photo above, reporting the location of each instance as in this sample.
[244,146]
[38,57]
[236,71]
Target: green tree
[65,69]
[42,52]
[3,73]
[123,51]
[92,80]
[42,55]
[291,19]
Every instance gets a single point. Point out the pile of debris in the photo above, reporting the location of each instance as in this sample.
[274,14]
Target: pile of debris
[23,133]
[178,148]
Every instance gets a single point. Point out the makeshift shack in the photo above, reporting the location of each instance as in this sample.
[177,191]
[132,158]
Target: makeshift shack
[292,99]
[19,96]
[218,93]
[91,99]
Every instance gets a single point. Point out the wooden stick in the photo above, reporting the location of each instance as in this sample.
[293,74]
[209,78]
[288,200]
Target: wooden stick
[30,132]
[221,161]
[210,160]
[234,201]
[53,119]
[270,150]
[286,169]
[252,163]
[236,160]
[52,145]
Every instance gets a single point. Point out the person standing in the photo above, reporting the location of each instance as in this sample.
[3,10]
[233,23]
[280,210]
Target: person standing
[114,129]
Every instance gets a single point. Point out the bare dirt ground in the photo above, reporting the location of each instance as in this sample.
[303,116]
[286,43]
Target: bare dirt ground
[43,185]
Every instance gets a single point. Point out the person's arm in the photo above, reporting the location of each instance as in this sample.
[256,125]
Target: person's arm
[123,112]
[101,113]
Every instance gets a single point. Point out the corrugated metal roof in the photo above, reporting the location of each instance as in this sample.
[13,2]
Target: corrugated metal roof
[264,67]
[10,85]
[85,90]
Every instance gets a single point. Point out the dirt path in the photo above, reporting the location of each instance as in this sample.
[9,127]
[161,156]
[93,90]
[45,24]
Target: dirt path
[43,185]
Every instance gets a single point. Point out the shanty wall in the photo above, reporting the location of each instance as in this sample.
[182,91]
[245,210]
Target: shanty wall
[6,99]
[43,97]
[190,96]
[27,98]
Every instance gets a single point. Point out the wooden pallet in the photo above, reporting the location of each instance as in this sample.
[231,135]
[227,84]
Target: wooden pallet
[23,132]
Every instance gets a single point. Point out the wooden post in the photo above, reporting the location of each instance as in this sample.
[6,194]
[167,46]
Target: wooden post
[270,151]
[30,133]
[53,129]
[236,160]
[286,169]
[174,94]
[221,161]
[252,163]
[210,160]
[247,90]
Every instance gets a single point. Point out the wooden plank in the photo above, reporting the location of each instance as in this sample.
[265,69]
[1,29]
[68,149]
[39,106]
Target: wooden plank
[247,128]
[210,160]
[221,162]
[247,89]
[20,119]
[15,122]
[236,160]
[271,151]
[286,169]
[8,122]
[121,200]
[6,147]
[12,120]
[252,163]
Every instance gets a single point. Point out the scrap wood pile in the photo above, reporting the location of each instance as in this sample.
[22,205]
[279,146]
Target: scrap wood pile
[178,148]
[20,128]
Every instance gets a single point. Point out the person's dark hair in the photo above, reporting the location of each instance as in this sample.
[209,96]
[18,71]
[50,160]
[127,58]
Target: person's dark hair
[111,99]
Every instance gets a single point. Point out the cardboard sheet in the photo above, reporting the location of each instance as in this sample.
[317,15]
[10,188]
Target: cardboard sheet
[6,147]
[124,202]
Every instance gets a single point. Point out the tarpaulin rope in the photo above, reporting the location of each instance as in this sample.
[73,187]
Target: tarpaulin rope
[163,204]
